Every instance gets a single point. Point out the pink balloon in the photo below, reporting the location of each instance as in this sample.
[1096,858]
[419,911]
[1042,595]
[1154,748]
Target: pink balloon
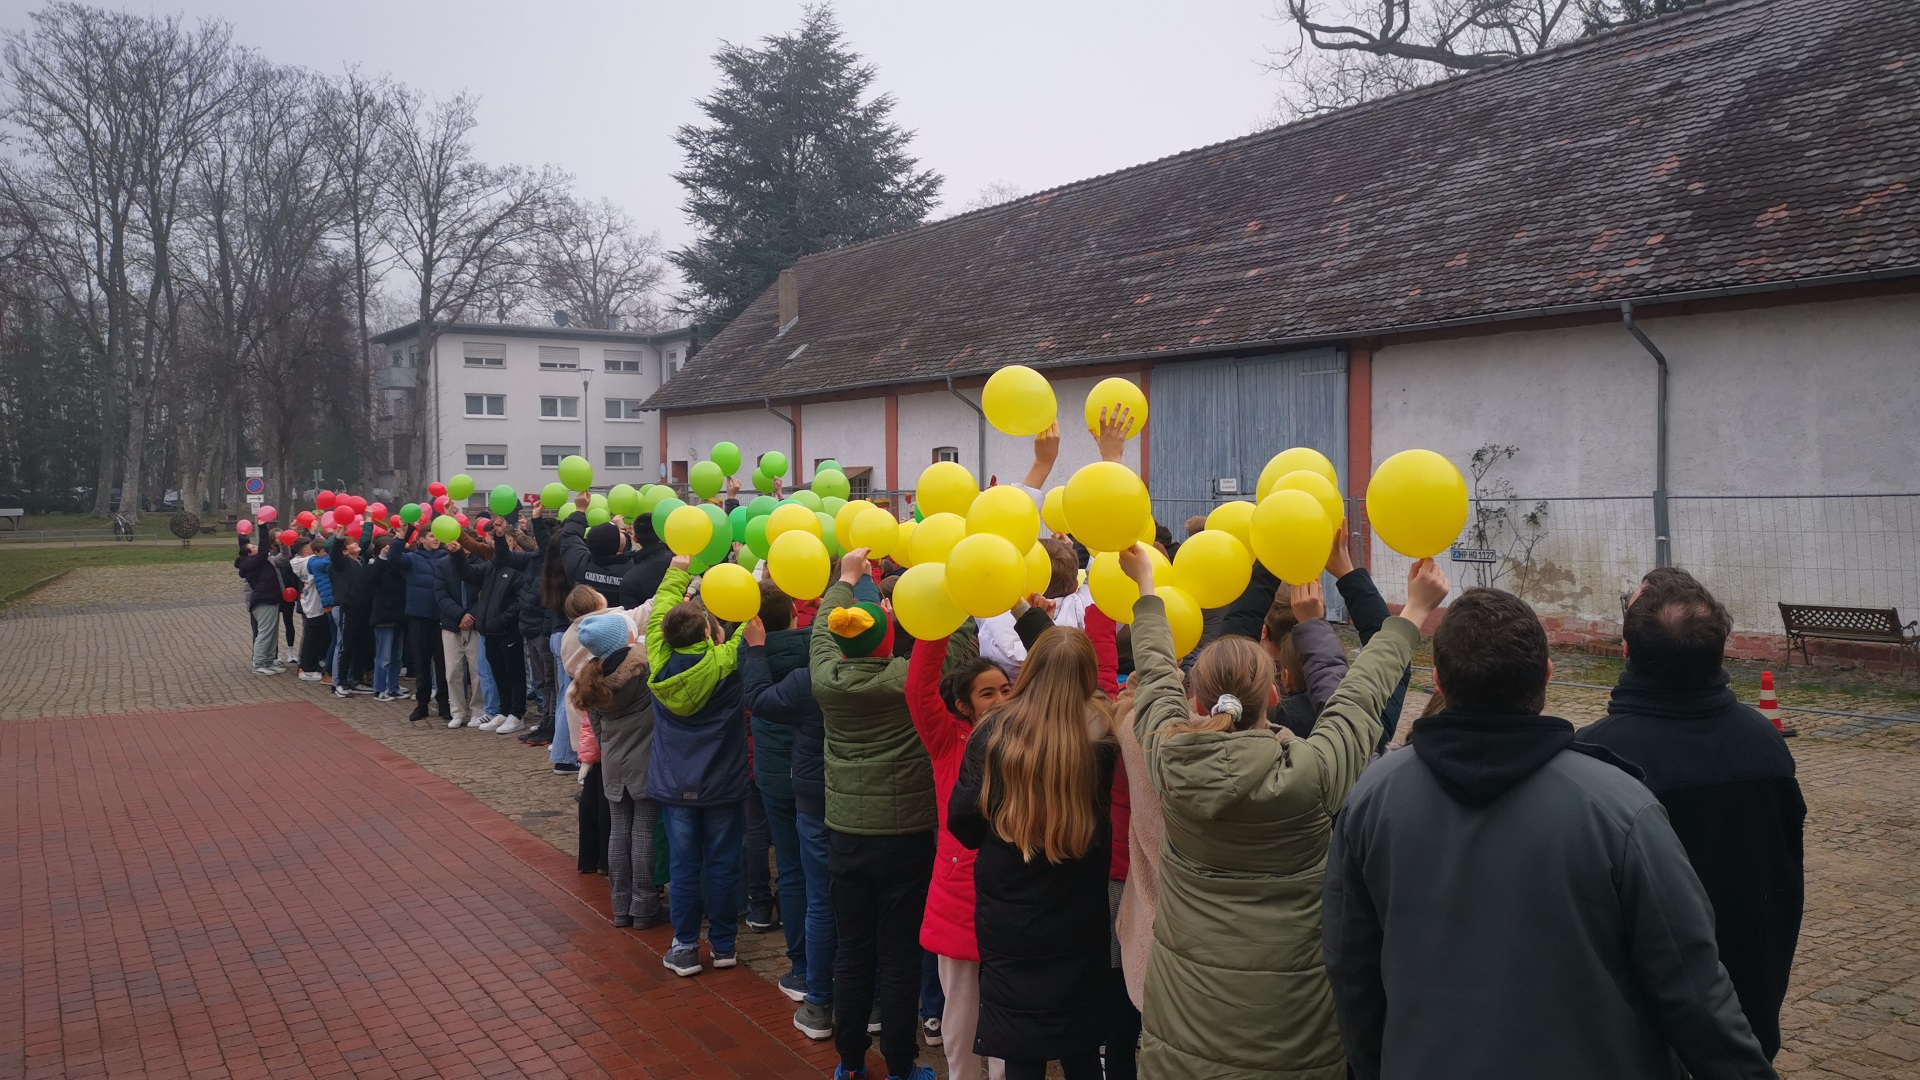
[326,520]
[440,503]
[267,514]
[243,527]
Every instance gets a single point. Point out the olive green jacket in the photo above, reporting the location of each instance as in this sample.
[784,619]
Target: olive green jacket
[1235,985]
[879,778]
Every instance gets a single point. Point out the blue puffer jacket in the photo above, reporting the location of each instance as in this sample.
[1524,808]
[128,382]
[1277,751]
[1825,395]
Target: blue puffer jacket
[419,567]
[700,760]
[456,590]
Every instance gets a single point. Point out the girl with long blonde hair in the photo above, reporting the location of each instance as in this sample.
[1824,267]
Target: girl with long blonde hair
[1033,797]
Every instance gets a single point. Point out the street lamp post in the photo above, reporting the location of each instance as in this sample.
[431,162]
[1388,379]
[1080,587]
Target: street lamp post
[586,415]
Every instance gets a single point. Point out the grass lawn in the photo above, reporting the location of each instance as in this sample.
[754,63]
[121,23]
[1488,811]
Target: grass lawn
[23,565]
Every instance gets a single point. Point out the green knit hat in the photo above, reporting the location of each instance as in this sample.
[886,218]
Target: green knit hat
[859,630]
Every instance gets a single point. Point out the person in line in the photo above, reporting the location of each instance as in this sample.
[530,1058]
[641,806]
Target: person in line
[1033,798]
[779,689]
[353,615]
[456,581]
[611,692]
[1235,985]
[537,626]
[282,559]
[1724,776]
[649,559]
[387,587]
[316,624]
[881,814]
[498,620]
[698,772]
[256,568]
[596,817]
[1507,901]
[427,656]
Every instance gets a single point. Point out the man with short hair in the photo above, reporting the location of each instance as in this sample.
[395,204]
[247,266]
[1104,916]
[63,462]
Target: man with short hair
[1725,777]
[1506,901]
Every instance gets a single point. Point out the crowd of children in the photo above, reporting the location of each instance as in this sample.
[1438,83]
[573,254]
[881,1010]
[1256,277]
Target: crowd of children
[1051,839]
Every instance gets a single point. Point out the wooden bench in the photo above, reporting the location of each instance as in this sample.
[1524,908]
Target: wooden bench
[1876,626]
[13,515]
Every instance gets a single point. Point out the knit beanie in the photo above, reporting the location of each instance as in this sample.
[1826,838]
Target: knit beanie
[860,630]
[604,634]
[603,540]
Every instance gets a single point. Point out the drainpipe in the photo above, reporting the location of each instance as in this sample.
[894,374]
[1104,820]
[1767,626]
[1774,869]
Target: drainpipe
[1662,537]
[971,404]
[793,451]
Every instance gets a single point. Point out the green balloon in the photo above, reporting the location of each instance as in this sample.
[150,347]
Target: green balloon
[410,513]
[567,511]
[917,515]
[773,463]
[576,472]
[829,465]
[831,506]
[727,456]
[445,529]
[756,537]
[460,487]
[597,501]
[807,499]
[598,515]
[553,496]
[762,506]
[762,482]
[661,509]
[748,560]
[737,519]
[706,479]
[826,534]
[653,496]
[721,545]
[503,500]
[831,483]
[624,501]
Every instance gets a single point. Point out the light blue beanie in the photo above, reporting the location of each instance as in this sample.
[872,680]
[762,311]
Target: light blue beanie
[604,634]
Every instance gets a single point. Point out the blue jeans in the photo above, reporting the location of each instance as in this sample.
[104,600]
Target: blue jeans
[388,641]
[336,616]
[489,690]
[703,846]
[793,893]
[822,936]
[560,751]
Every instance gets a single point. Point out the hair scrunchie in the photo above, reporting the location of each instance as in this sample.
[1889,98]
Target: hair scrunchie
[1227,703]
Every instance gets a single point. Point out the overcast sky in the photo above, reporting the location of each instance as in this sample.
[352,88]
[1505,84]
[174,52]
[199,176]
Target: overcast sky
[1033,93]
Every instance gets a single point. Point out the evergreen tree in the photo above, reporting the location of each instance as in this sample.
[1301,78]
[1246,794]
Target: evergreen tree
[793,159]
[1607,14]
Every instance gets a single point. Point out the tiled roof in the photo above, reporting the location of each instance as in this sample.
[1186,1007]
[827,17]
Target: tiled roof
[1745,142]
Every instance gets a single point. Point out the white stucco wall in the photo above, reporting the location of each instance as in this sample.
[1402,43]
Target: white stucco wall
[1781,403]
[934,419]
[853,433]
[690,438]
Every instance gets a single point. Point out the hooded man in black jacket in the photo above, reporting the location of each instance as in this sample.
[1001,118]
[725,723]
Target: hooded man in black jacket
[498,619]
[1725,777]
[1506,901]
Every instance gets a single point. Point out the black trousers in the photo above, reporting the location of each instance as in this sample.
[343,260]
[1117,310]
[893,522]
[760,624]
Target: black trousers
[758,879]
[423,644]
[316,641]
[1123,1029]
[507,659]
[286,620]
[356,647]
[1076,1068]
[596,818]
[879,895]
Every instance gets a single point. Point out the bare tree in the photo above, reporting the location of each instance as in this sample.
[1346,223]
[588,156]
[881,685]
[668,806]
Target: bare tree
[459,228]
[356,111]
[595,264]
[995,193]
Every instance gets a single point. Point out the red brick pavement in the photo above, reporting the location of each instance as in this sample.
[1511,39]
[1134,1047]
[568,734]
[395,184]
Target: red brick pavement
[262,891]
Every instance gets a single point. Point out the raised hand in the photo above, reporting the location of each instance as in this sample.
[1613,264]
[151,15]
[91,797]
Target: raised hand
[1138,566]
[1309,602]
[854,566]
[1115,422]
[1427,588]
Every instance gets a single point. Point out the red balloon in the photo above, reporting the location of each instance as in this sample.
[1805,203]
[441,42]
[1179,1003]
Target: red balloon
[379,532]
[462,519]
[325,499]
[288,537]
[305,518]
[441,502]
[358,503]
[289,594]
[436,489]
[243,527]
[354,530]
[326,520]
[377,511]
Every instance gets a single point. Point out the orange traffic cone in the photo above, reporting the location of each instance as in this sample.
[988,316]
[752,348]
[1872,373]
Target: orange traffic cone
[1770,705]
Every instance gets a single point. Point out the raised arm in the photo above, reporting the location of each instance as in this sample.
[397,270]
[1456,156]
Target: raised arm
[1159,691]
[783,702]
[1321,653]
[939,730]
[673,589]
[1248,614]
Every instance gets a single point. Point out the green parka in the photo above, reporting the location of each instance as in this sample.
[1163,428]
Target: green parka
[1235,985]
[879,778]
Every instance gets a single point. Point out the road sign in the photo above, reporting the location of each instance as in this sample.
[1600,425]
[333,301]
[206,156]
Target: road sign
[256,486]
[256,470]
[255,501]
[1475,555]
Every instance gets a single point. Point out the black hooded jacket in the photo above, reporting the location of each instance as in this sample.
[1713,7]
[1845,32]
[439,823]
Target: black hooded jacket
[1727,781]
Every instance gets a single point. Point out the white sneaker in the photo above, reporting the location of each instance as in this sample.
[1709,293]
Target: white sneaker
[492,723]
[289,658]
[264,671]
[456,722]
[476,719]
[277,668]
[513,724]
[309,676]
[340,692]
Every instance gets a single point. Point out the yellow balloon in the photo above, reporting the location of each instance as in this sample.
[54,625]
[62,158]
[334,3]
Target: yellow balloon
[1005,510]
[688,531]
[1149,530]
[1053,509]
[1039,569]
[1317,486]
[1213,567]
[1234,517]
[1292,536]
[730,593]
[986,575]
[903,543]
[1293,460]
[1105,506]
[1019,401]
[1111,394]
[799,564]
[946,488]
[1417,503]
[935,537]
[1113,591]
[922,604]
[875,530]
[843,521]
[1183,616]
[788,518]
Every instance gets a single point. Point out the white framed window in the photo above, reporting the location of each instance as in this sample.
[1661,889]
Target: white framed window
[627,360]
[623,457]
[947,453]
[559,358]
[673,357]
[550,455]
[559,408]
[483,354]
[484,456]
[486,405]
[623,408]
[860,486]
